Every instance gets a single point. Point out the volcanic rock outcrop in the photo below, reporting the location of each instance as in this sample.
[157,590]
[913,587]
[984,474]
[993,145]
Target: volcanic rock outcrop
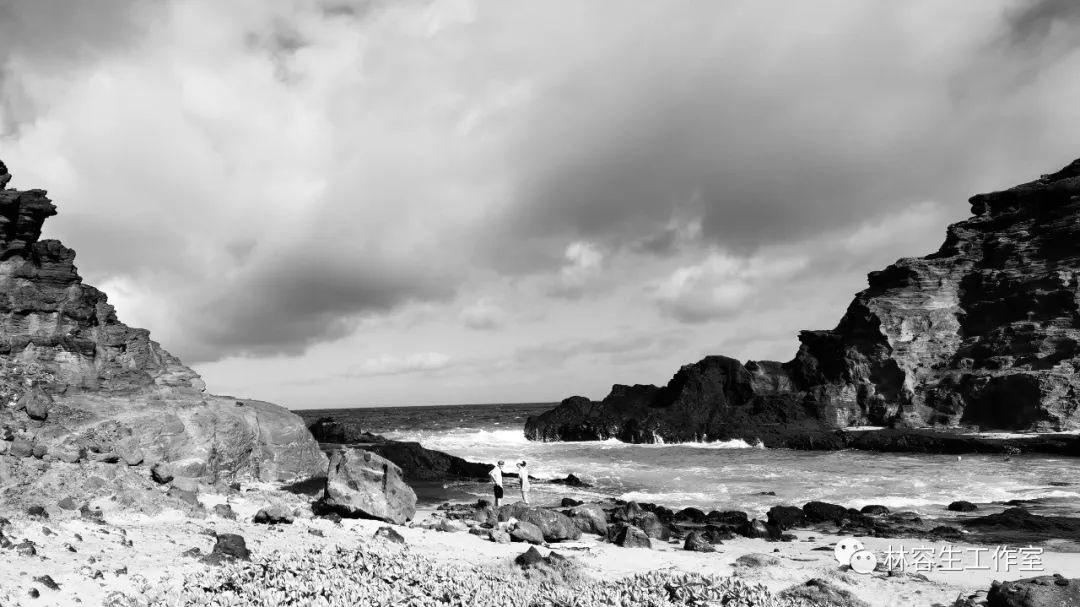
[416,462]
[981,334]
[83,385]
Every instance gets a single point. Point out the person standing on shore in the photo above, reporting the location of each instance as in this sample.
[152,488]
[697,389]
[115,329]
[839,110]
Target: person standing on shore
[523,474]
[496,475]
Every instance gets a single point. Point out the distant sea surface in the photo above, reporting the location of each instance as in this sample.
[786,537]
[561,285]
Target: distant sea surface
[729,475]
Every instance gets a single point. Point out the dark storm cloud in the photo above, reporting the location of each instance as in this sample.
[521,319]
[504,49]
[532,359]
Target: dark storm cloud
[61,31]
[287,305]
[1032,22]
[778,138]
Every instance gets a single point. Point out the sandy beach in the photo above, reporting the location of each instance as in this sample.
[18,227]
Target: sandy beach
[95,562]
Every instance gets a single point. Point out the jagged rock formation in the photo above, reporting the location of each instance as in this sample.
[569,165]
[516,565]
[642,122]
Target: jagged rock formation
[107,391]
[981,334]
[416,462]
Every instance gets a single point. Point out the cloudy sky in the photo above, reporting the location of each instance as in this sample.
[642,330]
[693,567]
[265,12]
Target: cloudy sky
[365,202]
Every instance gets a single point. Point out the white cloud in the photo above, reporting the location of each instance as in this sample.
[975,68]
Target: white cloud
[484,315]
[720,286]
[398,365]
[583,263]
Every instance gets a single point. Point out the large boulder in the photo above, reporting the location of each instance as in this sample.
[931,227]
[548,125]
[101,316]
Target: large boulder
[786,517]
[649,522]
[360,484]
[554,526]
[1043,591]
[696,542]
[629,536]
[590,518]
[524,531]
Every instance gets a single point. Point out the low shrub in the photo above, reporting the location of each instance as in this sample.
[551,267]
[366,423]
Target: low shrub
[388,576]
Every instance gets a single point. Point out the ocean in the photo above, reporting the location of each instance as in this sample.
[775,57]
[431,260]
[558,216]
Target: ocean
[728,475]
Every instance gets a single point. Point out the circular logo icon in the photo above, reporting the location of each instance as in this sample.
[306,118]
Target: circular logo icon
[863,561]
[845,548]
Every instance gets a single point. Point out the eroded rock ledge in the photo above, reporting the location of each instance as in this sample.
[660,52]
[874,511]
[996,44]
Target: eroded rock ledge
[105,391]
[981,334]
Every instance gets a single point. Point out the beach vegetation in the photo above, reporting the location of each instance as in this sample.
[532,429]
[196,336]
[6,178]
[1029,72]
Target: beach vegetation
[384,575]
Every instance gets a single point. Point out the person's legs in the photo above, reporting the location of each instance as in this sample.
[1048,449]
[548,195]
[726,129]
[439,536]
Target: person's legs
[498,495]
[525,495]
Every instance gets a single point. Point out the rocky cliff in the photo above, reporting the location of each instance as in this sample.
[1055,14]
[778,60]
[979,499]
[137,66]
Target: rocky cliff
[981,334]
[80,384]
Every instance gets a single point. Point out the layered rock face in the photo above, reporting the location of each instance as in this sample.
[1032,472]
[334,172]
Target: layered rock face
[981,334]
[107,391]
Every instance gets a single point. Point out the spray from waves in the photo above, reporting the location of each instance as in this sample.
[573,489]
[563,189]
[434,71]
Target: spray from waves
[473,438]
[669,497]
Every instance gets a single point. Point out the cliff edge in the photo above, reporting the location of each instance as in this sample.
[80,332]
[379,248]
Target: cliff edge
[981,334]
[78,384]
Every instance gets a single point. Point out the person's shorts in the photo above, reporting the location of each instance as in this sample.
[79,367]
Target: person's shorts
[498,492]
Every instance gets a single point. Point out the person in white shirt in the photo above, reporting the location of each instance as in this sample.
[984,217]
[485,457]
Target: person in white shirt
[496,475]
[523,474]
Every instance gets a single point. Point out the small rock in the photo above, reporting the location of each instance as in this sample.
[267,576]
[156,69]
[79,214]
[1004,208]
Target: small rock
[962,506]
[500,537]
[37,511]
[874,510]
[481,532]
[21,447]
[527,532]
[91,515]
[46,531]
[26,548]
[188,497]
[121,571]
[68,503]
[273,515]
[34,593]
[630,536]
[193,552]
[229,546]
[570,481]
[316,532]
[568,502]
[47,582]
[160,473]
[757,560]
[389,534]
[225,511]
[529,558]
[695,542]
[70,548]
[452,526]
